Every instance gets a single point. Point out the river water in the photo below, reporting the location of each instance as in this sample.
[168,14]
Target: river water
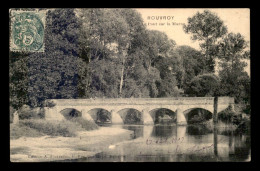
[172,143]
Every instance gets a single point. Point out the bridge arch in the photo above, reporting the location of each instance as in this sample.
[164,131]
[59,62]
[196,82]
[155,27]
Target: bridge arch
[131,116]
[113,105]
[100,115]
[158,114]
[197,114]
[69,113]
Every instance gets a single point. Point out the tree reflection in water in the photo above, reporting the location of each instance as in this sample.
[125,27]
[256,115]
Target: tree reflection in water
[198,130]
[218,147]
[164,131]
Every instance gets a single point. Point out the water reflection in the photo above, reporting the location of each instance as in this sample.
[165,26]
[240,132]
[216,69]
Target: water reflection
[198,130]
[164,131]
[138,130]
[240,147]
[215,132]
[198,144]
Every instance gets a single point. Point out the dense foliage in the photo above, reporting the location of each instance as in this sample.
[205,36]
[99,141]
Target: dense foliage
[203,85]
[207,28]
[109,53]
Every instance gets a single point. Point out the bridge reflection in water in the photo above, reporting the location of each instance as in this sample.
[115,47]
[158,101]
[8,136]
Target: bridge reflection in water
[161,143]
[172,143]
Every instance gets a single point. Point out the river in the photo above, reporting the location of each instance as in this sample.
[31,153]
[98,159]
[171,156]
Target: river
[172,143]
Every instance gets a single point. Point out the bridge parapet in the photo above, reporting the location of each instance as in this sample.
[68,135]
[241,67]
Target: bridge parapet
[142,101]
[226,100]
[146,106]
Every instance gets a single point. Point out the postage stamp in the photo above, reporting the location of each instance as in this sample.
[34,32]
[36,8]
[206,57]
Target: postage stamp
[27,31]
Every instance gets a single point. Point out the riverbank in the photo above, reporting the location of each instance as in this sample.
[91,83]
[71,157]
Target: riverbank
[50,148]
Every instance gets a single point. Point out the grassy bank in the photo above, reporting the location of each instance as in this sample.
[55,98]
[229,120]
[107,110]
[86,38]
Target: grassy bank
[56,148]
[18,130]
[40,127]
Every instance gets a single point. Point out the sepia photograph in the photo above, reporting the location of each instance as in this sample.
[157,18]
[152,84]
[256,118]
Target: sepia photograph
[129,85]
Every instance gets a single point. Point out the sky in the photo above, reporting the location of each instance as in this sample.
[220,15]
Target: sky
[237,20]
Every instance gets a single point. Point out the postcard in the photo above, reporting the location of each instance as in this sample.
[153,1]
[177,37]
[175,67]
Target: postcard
[129,85]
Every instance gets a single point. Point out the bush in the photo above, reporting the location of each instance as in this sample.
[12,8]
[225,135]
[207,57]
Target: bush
[53,128]
[40,127]
[25,112]
[70,113]
[196,119]
[227,115]
[18,130]
[244,126]
[133,117]
[87,125]
[104,115]
[199,116]
[203,85]
[49,104]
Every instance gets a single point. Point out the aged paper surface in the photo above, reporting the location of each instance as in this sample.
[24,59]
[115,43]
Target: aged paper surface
[129,85]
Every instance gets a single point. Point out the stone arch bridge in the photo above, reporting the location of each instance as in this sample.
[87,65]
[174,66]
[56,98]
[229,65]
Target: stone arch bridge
[147,107]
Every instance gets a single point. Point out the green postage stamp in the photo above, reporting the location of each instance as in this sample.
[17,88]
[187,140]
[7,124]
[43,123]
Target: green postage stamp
[27,31]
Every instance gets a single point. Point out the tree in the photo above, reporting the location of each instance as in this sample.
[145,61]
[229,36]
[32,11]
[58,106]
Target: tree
[162,59]
[232,49]
[235,81]
[192,64]
[18,79]
[101,53]
[235,84]
[117,58]
[55,73]
[107,40]
[18,74]
[203,85]
[206,27]
[167,86]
